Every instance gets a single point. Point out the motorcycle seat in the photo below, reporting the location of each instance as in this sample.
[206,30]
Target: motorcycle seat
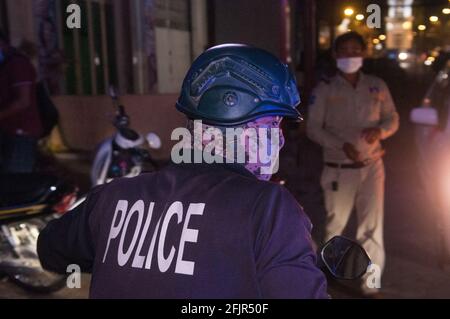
[23,189]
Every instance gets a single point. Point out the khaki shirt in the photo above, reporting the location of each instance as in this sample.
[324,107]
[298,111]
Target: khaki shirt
[338,113]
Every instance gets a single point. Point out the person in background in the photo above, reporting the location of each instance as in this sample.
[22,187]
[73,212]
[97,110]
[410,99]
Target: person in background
[20,123]
[349,116]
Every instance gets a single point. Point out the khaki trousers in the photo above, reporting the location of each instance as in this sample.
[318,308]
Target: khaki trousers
[362,189]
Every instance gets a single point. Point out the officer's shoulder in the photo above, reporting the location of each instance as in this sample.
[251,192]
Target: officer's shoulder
[279,193]
[265,189]
[282,203]
[247,182]
[319,90]
[324,82]
[118,184]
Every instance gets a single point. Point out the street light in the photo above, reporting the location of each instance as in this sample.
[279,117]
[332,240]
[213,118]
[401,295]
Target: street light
[434,19]
[429,61]
[446,11]
[382,37]
[403,56]
[349,12]
[422,27]
[406,25]
[375,41]
[359,17]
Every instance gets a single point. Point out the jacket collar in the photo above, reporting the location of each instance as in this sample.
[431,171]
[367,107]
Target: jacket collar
[233,167]
[341,80]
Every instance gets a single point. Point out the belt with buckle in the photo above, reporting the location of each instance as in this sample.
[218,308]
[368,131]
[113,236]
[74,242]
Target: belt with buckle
[344,166]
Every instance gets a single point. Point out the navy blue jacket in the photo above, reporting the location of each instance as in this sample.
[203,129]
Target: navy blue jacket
[188,231]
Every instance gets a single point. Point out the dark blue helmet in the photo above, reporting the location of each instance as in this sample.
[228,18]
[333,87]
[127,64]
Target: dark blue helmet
[233,84]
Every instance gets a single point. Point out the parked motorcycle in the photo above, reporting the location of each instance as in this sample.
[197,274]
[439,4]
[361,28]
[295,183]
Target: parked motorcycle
[27,203]
[123,155]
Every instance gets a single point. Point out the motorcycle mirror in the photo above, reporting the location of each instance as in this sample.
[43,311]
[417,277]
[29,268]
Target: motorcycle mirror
[424,116]
[345,259]
[130,135]
[154,141]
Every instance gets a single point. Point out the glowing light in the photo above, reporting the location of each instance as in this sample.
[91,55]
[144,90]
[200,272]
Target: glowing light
[428,62]
[404,65]
[406,25]
[379,46]
[446,11]
[359,17]
[403,56]
[431,58]
[434,19]
[375,41]
[349,12]
[382,37]
[445,183]
[422,27]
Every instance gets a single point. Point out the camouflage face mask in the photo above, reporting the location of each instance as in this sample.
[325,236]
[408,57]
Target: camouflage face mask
[255,144]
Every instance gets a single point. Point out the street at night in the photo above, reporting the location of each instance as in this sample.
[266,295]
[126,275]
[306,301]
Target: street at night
[139,143]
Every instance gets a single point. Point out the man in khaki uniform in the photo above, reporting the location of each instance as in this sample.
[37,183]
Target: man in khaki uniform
[349,116]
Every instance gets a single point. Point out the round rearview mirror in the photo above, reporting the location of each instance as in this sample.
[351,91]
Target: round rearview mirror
[345,259]
[425,116]
[154,141]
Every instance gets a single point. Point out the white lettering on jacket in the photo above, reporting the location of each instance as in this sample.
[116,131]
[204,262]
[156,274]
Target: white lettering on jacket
[135,224]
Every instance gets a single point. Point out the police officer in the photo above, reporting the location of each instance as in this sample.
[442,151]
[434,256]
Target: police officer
[198,230]
[349,115]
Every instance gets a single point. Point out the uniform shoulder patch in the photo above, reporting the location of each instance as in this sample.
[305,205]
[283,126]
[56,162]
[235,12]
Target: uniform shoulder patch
[374,89]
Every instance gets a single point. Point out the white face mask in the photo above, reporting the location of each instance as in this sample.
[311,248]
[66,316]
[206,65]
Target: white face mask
[350,65]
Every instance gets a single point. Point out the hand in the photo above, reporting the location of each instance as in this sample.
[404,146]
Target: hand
[371,134]
[351,152]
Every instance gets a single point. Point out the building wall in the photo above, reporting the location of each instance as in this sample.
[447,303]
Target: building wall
[261,20]
[86,120]
[21,25]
